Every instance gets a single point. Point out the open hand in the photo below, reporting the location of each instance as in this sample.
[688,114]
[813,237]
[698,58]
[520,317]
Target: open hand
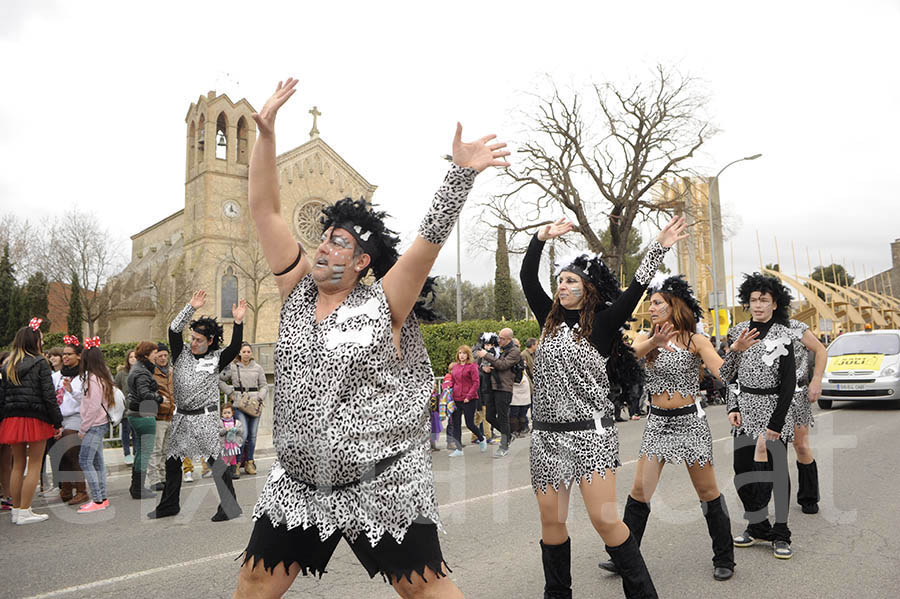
[265,118]
[662,335]
[554,230]
[238,311]
[673,232]
[478,154]
[747,339]
[198,299]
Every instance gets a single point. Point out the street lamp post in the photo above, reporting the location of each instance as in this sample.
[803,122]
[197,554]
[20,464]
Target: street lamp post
[714,190]
[458,274]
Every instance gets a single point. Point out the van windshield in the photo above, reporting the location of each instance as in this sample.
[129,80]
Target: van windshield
[872,343]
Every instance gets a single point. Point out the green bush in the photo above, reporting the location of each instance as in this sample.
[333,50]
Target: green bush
[442,340]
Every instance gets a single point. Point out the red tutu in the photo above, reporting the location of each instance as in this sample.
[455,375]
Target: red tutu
[21,429]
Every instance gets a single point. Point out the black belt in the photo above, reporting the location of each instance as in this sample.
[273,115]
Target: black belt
[203,410]
[755,391]
[370,474]
[247,389]
[691,409]
[567,427]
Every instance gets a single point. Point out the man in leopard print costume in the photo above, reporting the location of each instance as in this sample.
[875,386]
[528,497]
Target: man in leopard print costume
[352,386]
[760,413]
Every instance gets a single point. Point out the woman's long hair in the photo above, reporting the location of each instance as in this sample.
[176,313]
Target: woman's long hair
[93,363]
[622,367]
[682,319]
[128,360]
[27,342]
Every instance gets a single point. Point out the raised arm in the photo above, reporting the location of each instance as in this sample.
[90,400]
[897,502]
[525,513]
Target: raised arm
[538,300]
[237,335]
[711,358]
[283,253]
[403,282]
[672,233]
[176,341]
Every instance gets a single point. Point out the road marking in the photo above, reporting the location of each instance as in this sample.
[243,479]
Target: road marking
[133,575]
[232,554]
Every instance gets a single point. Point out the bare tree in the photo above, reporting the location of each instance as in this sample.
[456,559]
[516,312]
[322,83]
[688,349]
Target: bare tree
[22,238]
[601,176]
[76,242]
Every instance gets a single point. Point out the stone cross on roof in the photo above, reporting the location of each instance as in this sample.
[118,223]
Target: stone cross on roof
[314,132]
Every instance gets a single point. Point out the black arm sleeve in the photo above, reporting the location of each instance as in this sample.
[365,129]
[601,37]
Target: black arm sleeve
[49,395]
[787,373]
[234,348]
[176,344]
[144,389]
[538,300]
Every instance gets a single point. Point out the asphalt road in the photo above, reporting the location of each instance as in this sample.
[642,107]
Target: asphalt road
[849,549]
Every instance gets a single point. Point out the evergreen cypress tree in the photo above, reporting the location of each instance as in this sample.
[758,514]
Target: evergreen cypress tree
[503,299]
[37,292]
[8,326]
[75,321]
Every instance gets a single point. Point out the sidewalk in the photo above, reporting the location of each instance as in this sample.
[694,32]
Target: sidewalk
[115,459]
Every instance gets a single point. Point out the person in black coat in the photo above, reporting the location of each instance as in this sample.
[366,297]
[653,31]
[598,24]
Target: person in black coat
[143,403]
[29,415]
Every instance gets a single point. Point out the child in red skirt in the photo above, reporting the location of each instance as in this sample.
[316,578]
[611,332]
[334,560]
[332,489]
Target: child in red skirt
[29,415]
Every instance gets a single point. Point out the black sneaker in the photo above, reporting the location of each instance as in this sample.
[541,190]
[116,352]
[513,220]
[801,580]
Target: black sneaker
[810,508]
[745,539]
[782,549]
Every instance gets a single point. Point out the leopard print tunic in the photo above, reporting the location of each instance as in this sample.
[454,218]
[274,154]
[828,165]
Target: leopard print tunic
[196,384]
[753,371]
[686,437]
[343,401]
[801,407]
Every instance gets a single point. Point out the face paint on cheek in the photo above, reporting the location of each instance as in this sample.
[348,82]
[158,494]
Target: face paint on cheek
[337,272]
[576,292]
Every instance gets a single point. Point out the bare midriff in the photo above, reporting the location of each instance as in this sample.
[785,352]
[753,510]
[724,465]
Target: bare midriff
[671,401]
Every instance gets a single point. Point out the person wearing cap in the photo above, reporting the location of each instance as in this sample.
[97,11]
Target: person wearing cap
[353,383]
[196,424]
[156,470]
[574,439]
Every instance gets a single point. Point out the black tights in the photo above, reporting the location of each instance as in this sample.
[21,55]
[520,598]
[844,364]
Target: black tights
[468,408]
[756,482]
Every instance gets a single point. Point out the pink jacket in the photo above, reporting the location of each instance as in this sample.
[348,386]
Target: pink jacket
[92,412]
[465,382]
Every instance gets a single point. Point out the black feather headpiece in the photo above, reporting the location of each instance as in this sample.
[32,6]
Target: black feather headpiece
[210,328]
[367,227]
[677,286]
[592,269]
[771,285]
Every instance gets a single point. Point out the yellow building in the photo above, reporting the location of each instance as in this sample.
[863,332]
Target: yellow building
[210,242]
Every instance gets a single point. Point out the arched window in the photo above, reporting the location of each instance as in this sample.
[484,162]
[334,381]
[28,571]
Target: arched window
[242,141]
[221,137]
[192,142]
[229,293]
[201,138]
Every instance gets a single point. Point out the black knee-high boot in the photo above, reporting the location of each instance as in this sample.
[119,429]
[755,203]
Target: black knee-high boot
[170,502]
[760,527]
[719,526]
[228,505]
[557,560]
[808,487]
[635,518]
[636,581]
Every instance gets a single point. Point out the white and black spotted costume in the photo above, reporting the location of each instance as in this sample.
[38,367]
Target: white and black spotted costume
[801,408]
[676,437]
[767,366]
[351,427]
[571,382]
[196,423]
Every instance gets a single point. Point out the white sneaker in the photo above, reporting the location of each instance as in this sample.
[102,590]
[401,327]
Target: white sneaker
[50,493]
[26,516]
[15,515]
[188,477]
[456,453]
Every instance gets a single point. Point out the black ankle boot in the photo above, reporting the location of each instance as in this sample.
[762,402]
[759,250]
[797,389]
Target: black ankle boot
[635,518]
[636,581]
[557,560]
[719,525]
[808,487]
[137,488]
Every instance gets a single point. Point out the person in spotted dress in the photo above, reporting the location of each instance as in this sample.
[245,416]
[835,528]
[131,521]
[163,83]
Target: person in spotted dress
[677,429]
[760,413]
[573,439]
[352,385]
[196,425]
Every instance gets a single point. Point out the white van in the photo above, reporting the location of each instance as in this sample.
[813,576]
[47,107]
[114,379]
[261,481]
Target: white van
[862,366]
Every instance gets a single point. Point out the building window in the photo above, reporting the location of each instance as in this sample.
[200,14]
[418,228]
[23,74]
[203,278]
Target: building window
[242,142]
[229,293]
[221,137]
[201,138]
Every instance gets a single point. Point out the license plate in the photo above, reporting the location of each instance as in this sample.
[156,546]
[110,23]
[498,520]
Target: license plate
[851,387]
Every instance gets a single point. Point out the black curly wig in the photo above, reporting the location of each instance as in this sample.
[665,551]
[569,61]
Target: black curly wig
[367,227]
[771,285]
[677,286]
[593,270]
[210,328]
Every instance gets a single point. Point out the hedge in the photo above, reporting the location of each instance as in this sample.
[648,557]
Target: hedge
[442,340]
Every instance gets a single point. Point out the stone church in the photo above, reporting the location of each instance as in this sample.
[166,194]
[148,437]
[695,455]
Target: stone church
[211,242]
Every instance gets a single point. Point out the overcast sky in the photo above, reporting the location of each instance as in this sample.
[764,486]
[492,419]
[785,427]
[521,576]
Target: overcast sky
[95,93]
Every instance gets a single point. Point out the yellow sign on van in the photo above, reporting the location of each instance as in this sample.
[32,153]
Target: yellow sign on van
[855,362]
